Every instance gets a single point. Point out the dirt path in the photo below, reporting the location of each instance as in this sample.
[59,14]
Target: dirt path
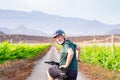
[39,70]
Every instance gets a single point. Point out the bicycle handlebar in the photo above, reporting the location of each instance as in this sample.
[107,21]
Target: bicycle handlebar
[52,63]
[55,63]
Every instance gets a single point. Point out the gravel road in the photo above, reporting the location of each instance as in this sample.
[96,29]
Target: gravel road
[40,68]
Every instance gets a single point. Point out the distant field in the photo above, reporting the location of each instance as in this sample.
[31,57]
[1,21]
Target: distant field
[42,39]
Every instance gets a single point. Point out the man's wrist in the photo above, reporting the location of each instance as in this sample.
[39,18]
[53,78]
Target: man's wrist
[66,65]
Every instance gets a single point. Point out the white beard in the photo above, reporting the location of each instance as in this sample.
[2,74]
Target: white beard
[61,42]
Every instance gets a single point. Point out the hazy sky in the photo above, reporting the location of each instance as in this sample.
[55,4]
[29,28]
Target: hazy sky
[106,11]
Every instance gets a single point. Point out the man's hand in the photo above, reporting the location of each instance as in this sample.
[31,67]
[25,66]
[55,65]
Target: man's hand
[63,66]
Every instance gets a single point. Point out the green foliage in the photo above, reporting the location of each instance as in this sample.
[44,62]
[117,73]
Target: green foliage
[20,51]
[58,46]
[102,55]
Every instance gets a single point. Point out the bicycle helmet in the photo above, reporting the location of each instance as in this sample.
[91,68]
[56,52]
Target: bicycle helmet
[58,32]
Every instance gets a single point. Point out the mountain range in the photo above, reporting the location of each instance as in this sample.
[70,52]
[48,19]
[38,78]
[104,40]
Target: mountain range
[23,30]
[114,31]
[42,24]
[1,32]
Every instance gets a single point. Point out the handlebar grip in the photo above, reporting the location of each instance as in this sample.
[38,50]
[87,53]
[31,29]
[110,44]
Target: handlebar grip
[47,62]
[52,62]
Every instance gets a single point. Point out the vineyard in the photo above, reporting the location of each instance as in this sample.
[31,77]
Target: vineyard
[103,52]
[20,51]
[102,55]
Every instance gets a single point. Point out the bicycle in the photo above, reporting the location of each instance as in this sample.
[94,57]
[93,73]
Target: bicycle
[63,71]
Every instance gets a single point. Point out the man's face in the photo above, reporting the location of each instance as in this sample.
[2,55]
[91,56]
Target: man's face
[59,39]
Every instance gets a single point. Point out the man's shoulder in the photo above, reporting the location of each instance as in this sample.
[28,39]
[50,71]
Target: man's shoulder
[68,41]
